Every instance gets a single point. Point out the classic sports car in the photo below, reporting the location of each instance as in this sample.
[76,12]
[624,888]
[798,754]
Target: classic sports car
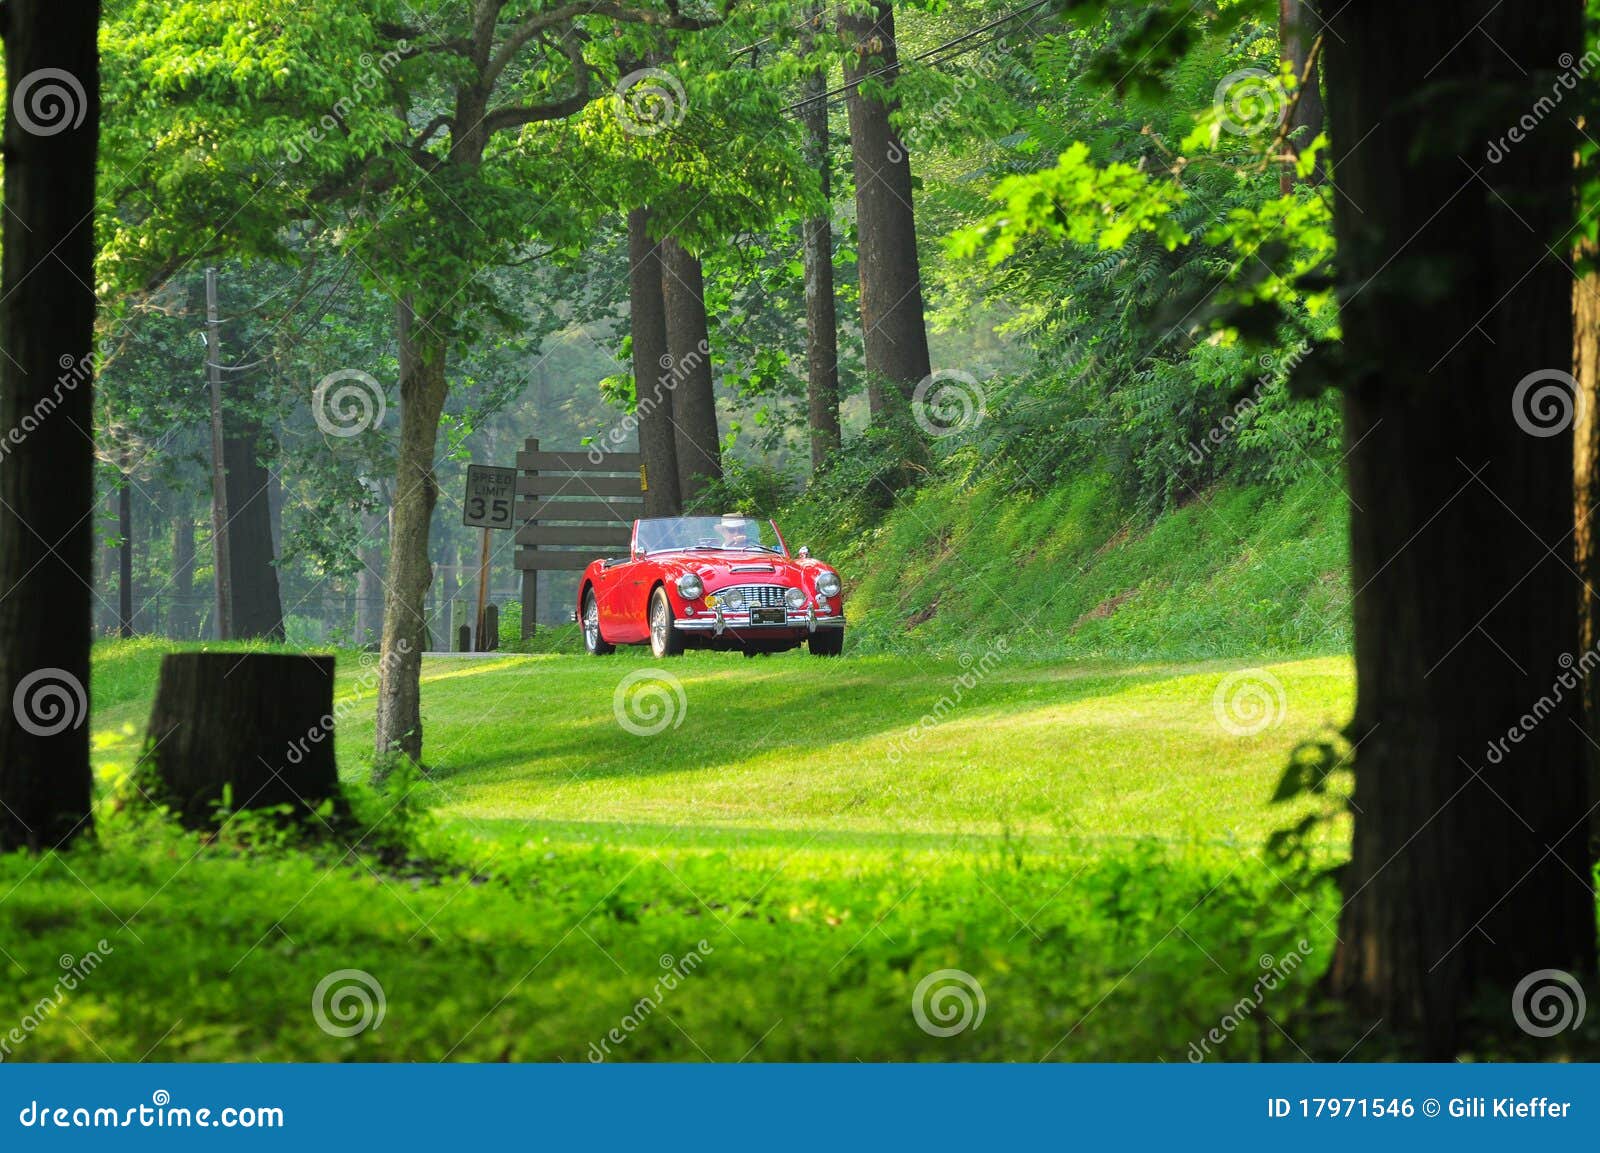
[719,582]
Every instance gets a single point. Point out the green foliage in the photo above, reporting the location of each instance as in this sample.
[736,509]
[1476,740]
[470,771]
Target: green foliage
[1171,297]
[1072,571]
[748,487]
[799,959]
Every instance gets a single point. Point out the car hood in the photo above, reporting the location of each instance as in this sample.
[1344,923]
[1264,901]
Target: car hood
[718,571]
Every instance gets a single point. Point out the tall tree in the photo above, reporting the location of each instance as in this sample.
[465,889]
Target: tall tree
[124,550]
[652,379]
[369,579]
[1297,34]
[405,624]
[822,322]
[47,312]
[499,76]
[1468,867]
[256,603]
[1586,483]
[694,399]
[894,334]
[181,616]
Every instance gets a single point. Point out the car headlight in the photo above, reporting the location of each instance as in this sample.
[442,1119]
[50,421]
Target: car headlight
[795,598]
[828,584]
[690,587]
[736,601]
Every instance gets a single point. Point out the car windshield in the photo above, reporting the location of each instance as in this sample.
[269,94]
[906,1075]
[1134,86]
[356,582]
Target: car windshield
[712,533]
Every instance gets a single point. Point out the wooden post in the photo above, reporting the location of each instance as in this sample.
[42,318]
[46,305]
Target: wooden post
[483,591]
[489,639]
[530,577]
[257,724]
[219,474]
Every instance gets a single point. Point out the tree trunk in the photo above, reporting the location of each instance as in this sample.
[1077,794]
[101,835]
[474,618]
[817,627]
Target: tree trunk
[256,602]
[369,583]
[110,561]
[405,627]
[181,617]
[1468,866]
[822,324]
[652,381]
[1297,31]
[46,399]
[259,725]
[125,551]
[894,336]
[694,400]
[275,509]
[1586,486]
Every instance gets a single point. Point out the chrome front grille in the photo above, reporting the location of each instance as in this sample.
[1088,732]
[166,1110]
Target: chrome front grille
[755,596]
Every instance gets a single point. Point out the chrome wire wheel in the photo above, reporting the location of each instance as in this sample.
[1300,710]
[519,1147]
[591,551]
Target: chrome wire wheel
[592,640]
[665,641]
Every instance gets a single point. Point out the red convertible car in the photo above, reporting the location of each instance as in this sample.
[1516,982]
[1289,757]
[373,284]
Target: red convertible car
[719,582]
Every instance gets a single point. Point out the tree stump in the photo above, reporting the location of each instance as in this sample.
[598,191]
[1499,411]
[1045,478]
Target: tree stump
[261,723]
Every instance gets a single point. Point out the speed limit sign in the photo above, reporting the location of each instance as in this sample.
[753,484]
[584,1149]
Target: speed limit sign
[491,493]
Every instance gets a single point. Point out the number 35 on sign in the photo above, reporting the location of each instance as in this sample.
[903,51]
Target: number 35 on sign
[491,495]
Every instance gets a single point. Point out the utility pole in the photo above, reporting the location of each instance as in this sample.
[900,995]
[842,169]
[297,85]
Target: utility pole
[219,474]
[125,550]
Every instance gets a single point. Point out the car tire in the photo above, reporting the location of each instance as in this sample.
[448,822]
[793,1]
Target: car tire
[594,644]
[665,641]
[826,642]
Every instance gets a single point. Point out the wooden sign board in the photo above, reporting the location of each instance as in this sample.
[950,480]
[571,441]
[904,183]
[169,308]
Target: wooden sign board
[491,497]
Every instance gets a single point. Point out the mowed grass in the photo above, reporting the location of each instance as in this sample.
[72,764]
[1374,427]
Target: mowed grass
[791,749]
[1072,849]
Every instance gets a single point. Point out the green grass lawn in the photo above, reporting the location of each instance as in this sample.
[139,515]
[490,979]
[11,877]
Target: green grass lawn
[1081,842]
[789,748]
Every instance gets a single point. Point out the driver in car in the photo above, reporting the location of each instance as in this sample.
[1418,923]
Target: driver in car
[736,534]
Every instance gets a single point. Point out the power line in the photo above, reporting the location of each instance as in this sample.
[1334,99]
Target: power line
[937,49]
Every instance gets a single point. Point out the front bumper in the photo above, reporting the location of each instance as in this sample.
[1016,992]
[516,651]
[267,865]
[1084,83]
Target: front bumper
[722,621]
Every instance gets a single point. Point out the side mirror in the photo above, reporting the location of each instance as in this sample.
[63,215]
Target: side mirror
[804,552]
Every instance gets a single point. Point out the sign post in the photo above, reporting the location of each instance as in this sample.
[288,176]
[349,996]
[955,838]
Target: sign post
[491,496]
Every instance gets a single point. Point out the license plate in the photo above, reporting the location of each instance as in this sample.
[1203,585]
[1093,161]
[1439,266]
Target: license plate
[766,616]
